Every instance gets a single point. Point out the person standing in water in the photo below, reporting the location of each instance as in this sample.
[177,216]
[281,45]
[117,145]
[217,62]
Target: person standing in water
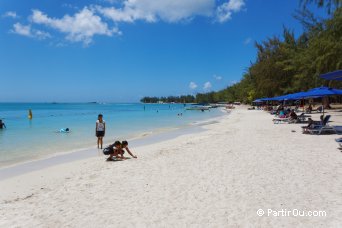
[30,116]
[100,130]
[2,125]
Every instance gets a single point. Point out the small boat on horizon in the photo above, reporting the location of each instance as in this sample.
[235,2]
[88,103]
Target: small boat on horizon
[198,107]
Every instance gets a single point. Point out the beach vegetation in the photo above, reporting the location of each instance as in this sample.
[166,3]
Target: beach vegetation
[287,64]
[328,4]
[170,99]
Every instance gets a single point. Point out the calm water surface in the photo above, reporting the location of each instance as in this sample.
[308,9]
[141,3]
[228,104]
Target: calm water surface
[26,139]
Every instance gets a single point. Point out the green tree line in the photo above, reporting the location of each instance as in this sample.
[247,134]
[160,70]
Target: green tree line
[170,99]
[288,64]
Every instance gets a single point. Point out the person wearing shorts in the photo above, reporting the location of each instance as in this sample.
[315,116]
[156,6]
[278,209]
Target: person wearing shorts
[100,130]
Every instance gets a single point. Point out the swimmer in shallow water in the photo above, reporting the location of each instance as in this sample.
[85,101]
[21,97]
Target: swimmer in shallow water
[64,130]
[2,125]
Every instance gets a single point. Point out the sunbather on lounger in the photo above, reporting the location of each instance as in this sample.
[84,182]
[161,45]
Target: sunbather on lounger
[312,124]
[320,109]
[309,109]
[293,118]
[309,126]
[293,115]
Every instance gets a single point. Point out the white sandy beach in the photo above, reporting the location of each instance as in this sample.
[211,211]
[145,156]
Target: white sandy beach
[216,178]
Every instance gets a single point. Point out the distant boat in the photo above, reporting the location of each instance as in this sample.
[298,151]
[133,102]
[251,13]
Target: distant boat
[198,107]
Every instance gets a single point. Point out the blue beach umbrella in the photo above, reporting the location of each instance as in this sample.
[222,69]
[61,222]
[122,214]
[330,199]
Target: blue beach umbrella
[296,96]
[321,92]
[265,99]
[258,101]
[335,75]
[291,96]
[280,98]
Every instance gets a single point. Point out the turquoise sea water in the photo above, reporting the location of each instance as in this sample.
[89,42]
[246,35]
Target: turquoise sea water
[25,139]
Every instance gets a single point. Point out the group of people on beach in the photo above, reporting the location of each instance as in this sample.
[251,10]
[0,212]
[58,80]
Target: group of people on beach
[115,150]
[282,112]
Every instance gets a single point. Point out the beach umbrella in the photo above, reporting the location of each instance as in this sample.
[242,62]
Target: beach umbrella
[265,99]
[335,75]
[282,98]
[321,92]
[297,96]
[279,98]
[258,101]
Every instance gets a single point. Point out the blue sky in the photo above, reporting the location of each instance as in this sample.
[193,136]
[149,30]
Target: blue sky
[121,50]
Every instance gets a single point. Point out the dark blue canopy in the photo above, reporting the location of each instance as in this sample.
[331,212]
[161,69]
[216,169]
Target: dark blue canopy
[295,96]
[280,98]
[313,93]
[321,92]
[258,101]
[336,75]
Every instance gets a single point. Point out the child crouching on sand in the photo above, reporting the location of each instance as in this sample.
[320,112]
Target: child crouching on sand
[124,145]
[115,150]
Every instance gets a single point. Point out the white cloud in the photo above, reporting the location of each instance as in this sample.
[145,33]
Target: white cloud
[41,34]
[207,86]
[26,30]
[192,85]
[90,21]
[80,27]
[224,11]
[235,5]
[152,11]
[218,78]
[111,1]
[70,6]
[10,14]
[247,41]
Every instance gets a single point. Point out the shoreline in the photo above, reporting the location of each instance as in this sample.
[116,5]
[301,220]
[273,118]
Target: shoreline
[28,148]
[218,177]
[157,135]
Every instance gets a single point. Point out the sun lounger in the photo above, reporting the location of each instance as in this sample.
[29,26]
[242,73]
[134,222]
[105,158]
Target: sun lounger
[319,109]
[280,120]
[323,128]
[339,141]
[300,119]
